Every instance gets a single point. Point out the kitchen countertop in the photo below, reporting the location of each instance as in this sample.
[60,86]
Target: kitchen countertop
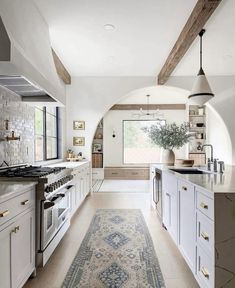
[70,165]
[11,189]
[214,182]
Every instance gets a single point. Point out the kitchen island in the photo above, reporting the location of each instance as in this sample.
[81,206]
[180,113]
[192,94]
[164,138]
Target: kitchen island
[199,214]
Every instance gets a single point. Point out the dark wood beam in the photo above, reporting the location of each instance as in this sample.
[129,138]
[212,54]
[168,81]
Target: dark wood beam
[61,70]
[196,21]
[150,107]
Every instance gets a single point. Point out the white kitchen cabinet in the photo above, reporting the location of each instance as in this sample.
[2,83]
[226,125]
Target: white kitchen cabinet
[187,222]
[170,204]
[17,243]
[22,249]
[82,186]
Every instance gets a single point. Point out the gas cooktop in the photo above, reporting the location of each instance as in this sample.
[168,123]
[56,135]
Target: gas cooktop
[30,171]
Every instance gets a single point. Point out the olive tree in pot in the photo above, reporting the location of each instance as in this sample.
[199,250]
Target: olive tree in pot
[168,137]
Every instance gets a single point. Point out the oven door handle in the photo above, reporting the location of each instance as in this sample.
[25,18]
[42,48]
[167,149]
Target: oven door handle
[65,191]
[48,205]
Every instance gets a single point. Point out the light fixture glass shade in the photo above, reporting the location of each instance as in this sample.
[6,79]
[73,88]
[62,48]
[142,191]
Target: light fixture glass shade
[201,92]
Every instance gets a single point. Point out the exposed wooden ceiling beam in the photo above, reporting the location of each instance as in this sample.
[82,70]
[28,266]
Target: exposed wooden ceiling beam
[196,21]
[61,70]
[150,107]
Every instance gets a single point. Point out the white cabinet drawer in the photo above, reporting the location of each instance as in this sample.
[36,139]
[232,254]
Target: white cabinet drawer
[16,205]
[205,204]
[205,232]
[205,269]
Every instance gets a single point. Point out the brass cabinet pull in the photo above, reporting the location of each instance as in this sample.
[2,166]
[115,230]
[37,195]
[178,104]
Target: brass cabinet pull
[184,188]
[205,272]
[205,236]
[203,205]
[4,213]
[25,202]
[17,228]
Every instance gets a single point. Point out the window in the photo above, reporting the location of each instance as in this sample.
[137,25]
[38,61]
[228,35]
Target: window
[46,133]
[137,147]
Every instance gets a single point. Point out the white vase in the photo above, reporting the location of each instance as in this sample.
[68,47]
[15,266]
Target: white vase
[167,157]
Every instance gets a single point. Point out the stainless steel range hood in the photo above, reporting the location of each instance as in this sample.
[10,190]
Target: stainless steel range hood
[27,67]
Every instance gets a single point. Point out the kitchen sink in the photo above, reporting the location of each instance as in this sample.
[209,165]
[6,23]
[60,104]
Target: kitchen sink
[190,171]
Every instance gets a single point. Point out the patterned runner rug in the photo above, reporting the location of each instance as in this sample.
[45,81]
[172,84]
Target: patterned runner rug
[117,251]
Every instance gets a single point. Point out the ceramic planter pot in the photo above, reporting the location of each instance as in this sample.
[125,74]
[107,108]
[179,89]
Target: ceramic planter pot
[167,156]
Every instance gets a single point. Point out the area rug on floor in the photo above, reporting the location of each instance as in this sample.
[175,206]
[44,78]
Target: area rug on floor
[117,251]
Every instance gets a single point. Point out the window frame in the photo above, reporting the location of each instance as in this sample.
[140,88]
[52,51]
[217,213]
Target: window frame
[128,120]
[44,136]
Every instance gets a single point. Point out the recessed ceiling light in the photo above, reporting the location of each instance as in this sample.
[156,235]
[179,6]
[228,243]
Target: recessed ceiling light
[109,27]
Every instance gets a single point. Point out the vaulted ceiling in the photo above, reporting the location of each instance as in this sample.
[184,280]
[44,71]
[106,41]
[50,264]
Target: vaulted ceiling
[145,32]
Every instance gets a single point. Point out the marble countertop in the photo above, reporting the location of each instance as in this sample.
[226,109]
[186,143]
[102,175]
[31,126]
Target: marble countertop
[11,189]
[214,182]
[69,165]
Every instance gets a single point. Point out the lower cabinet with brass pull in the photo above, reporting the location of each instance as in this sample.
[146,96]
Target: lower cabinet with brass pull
[17,242]
[4,213]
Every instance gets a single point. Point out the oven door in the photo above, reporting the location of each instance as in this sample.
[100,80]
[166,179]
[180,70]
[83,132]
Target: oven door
[48,223]
[63,206]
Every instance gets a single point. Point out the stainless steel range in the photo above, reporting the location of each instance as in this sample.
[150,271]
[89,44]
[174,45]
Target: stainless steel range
[53,192]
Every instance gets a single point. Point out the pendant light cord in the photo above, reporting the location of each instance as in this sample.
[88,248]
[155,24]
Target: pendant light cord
[201,34]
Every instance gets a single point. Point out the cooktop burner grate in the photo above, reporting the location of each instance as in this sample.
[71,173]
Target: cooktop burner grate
[30,171]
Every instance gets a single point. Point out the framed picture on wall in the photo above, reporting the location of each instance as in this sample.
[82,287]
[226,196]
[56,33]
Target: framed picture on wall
[78,125]
[78,141]
[97,148]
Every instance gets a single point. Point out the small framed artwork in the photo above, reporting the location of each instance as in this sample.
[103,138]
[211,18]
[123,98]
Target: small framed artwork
[78,141]
[97,148]
[78,125]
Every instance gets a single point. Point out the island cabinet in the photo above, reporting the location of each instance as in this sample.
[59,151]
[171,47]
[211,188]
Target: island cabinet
[170,208]
[17,239]
[203,221]
[82,185]
[187,224]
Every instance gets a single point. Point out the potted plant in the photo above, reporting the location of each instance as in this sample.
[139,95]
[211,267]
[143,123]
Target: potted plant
[168,137]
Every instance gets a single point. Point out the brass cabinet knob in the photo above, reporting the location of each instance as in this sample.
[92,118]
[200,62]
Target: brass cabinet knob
[203,205]
[25,202]
[17,228]
[205,272]
[4,213]
[205,236]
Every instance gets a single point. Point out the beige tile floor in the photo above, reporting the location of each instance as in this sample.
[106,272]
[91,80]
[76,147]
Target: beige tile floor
[175,271]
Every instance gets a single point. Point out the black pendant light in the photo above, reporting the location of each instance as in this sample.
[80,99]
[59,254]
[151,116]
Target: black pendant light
[201,92]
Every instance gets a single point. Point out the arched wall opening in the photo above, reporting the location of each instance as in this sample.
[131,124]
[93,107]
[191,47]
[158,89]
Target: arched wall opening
[90,98]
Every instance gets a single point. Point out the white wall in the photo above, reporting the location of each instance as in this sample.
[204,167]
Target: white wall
[89,98]
[113,147]
[218,136]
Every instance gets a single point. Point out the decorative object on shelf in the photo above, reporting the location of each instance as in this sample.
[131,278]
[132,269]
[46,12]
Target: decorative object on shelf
[168,137]
[78,141]
[200,111]
[97,147]
[201,91]
[200,125]
[78,125]
[100,125]
[155,115]
[12,137]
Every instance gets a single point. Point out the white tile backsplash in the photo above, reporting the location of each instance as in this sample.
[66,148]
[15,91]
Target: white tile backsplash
[21,121]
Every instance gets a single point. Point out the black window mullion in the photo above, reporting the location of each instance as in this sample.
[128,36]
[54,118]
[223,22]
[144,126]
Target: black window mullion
[44,135]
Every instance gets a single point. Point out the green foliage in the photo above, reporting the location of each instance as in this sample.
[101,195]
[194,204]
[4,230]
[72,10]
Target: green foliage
[168,136]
